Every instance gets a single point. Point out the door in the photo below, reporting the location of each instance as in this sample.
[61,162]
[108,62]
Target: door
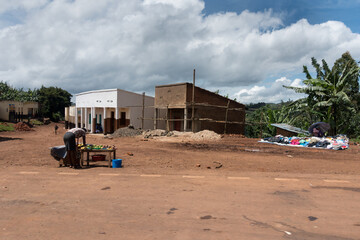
[112,125]
[122,118]
[177,114]
[12,116]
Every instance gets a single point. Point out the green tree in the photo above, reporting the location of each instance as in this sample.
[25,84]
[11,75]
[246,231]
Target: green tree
[259,121]
[332,95]
[300,114]
[7,92]
[53,101]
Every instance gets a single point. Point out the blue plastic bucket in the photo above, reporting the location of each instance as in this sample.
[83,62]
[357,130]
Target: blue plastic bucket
[116,163]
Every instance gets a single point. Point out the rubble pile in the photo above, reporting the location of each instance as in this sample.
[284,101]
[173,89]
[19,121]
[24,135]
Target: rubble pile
[205,135]
[125,132]
[154,133]
[21,126]
[162,135]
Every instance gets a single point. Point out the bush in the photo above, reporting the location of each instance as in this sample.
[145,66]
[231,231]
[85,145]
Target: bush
[36,122]
[56,117]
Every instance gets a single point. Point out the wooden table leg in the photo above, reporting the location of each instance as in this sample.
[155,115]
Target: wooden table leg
[81,158]
[109,163]
[87,154]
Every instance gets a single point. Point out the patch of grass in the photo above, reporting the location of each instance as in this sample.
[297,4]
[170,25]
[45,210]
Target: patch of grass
[4,127]
[355,140]
[36,122]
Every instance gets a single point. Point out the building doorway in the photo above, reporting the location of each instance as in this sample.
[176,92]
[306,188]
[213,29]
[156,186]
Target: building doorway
[122,118]
[112,126]
[177,114]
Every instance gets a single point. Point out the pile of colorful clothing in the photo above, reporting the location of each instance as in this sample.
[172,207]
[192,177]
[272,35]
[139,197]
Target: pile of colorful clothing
[339,142]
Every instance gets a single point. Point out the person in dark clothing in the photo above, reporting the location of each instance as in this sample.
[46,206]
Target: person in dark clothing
[56,128]
[317,132]
[71,145]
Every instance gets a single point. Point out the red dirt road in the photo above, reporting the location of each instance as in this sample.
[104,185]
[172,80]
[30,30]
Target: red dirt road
[176,190]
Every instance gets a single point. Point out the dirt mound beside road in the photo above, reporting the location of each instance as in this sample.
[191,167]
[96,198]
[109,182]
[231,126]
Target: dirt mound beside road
[125,132]
[175,136]
[205,135]
[21,126]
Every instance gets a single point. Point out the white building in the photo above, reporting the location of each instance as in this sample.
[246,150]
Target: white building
[10,109]
[111,109]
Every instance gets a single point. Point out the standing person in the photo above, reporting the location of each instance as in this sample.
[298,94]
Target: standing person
[56,128]
[71,144]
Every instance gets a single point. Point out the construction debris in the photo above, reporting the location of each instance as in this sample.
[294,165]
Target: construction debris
[204,135]
[154,133]
[125,132]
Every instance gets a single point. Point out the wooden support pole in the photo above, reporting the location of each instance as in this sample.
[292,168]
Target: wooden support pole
[155,118]
[143,110]
[167,119]
[185,118]
[261,125]
[226,115]
[193,103]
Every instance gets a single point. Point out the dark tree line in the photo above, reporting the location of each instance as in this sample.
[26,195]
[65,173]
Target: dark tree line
[52,100]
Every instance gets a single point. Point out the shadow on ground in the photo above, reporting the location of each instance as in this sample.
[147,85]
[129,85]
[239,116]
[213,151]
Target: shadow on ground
[3,139]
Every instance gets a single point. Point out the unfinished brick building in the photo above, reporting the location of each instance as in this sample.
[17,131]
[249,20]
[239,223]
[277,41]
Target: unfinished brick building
[210,109]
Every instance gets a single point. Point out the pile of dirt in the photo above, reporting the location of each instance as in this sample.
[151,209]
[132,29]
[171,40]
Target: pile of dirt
[21,126]
[180,134]
[154,133]
[205,135]
[125,132]
[162,135]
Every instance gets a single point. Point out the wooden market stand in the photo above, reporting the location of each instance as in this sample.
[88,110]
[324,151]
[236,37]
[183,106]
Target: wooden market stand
[88,151]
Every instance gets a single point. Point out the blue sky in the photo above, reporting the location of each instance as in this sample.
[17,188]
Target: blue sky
[315,11]
[247,49]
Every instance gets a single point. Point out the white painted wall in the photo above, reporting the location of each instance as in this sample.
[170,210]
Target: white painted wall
[98,99]
[125,101]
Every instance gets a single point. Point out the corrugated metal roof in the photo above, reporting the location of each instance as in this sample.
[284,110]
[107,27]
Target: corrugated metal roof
[289,128]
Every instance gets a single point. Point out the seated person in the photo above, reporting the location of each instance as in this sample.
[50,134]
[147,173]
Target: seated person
[317,132]
[98,128]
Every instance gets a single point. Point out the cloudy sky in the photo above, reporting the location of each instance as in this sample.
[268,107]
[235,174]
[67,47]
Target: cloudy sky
[247,49]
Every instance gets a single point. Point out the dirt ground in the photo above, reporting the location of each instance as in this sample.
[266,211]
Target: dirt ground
[174,188]
[173,155]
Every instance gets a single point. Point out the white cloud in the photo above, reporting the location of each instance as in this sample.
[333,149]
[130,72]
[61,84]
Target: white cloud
[6,5]
[134,45]
[272,94]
